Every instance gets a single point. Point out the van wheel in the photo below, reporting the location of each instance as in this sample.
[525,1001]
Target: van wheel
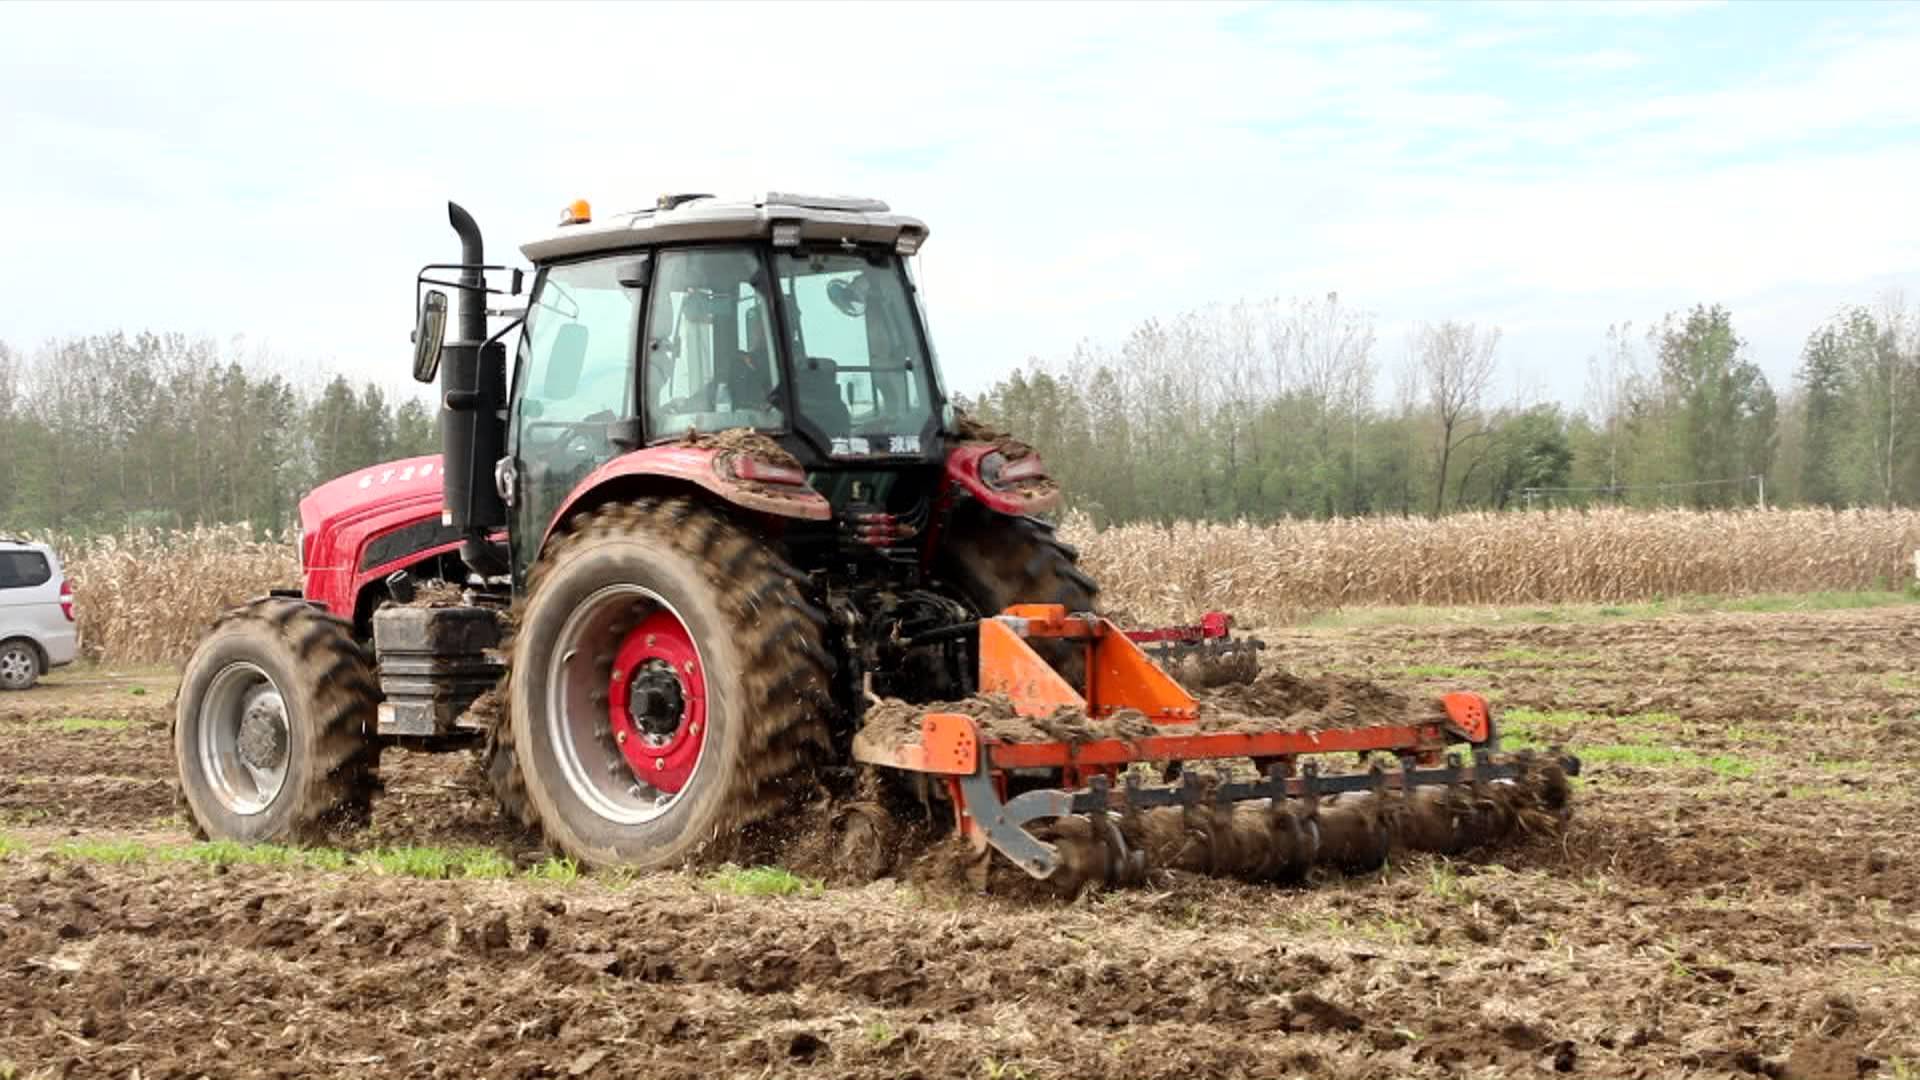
[19,665]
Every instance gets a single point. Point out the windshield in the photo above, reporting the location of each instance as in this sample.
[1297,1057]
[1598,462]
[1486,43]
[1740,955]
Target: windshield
[860,373]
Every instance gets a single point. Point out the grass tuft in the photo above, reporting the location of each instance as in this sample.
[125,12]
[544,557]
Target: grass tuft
[557,871]
[73,724]
[436,863]
[1656,756]
[431,863]
[1444,882]
[761,881]
[1444,671]
[118,852]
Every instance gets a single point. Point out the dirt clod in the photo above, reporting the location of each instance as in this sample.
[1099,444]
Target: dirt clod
[1279,700]
[1818,1058]
[742,441]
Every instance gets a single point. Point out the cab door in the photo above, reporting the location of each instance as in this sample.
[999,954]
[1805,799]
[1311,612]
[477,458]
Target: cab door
[574,389]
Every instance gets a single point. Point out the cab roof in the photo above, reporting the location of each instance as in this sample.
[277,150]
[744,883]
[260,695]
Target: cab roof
[695,218]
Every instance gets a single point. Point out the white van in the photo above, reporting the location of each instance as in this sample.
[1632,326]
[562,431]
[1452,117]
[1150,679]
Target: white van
[36,613]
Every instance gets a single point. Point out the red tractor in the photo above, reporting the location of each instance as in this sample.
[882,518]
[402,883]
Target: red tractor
[723,497]
[723,504]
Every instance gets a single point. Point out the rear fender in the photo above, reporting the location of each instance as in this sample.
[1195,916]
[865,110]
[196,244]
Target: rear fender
[669,467]
[1035,493]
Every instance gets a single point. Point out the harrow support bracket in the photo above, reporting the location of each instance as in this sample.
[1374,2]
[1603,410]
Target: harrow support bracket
[1468,715]
[949,746]
[1119,674]
[1009,666]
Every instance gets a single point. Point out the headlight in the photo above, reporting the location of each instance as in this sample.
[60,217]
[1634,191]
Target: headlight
[764,472]
[1000,474]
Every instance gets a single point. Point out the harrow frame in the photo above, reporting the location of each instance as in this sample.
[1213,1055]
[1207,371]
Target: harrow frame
[1094,773]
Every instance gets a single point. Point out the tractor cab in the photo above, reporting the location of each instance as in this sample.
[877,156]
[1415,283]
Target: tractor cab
[795,317]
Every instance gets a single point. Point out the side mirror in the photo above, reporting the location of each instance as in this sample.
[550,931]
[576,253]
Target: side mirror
[428,335]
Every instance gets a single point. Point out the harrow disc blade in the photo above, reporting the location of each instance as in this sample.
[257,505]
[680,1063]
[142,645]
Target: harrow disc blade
[1200,665]
[1352,833]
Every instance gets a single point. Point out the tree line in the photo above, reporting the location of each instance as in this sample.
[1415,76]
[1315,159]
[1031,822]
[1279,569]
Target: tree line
[106,432]
[1255,410]
[1286,408]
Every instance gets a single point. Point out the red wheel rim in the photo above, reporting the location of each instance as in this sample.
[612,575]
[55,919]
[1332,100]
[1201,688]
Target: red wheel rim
[664,762]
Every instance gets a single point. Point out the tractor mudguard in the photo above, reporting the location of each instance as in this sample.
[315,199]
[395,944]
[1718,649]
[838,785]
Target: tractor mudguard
[1025,488]
[729,474]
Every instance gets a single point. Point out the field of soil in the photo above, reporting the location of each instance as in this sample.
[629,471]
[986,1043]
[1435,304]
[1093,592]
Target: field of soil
[1738,894]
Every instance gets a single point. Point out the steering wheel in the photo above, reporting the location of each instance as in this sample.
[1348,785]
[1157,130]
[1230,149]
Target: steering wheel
[563,443]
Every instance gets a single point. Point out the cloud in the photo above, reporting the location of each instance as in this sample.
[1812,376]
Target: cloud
[280,171]
[1601,60]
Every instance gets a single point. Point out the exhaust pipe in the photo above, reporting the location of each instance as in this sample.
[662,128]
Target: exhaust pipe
[473,255]
[473,431]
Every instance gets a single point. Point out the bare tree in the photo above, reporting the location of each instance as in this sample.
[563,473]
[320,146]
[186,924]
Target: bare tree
[1886,382]
[1332,349]
[1607,379]
[1457,360]
[1328,348]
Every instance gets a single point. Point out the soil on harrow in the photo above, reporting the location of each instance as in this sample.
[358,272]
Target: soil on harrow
[891,722]
[1282,700]
[1737,894]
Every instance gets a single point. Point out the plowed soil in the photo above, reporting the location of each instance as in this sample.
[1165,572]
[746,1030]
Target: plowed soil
[1737,894]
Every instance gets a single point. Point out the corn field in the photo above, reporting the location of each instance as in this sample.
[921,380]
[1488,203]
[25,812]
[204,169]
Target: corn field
[1281,572]
[148,595]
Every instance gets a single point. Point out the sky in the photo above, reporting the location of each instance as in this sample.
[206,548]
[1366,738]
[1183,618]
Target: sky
[277,173]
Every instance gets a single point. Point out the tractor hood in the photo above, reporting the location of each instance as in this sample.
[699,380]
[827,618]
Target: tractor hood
[406,480]
[404,490]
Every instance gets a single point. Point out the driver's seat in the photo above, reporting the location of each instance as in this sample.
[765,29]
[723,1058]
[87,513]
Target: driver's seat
[816,389]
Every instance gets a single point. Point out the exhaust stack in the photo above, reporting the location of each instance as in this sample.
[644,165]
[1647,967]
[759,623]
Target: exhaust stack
[473,399]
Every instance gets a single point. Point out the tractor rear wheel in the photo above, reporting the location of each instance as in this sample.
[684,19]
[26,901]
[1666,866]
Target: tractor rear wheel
[997,561]
[669,684]
[273,728]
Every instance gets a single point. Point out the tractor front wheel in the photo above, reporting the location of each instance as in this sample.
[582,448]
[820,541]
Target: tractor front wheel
[668,684]
[272,732]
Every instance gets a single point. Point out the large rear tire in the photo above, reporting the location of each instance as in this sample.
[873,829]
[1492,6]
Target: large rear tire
[700,627]
[273,729]
[997,561]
